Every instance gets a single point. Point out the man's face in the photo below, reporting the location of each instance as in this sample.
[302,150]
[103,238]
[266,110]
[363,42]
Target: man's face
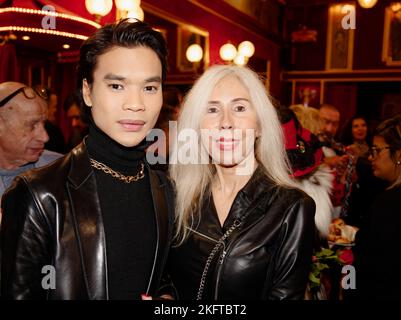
[22,132]
[126,94]
[52,109]
[74,118]
[329,121]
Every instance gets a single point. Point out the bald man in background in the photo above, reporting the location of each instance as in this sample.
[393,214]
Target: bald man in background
[23,112]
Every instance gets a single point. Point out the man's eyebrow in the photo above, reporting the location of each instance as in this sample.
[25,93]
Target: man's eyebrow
[153,79]
[111,76]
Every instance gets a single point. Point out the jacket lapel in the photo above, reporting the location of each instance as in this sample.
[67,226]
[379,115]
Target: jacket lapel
[88,228]
[163,228]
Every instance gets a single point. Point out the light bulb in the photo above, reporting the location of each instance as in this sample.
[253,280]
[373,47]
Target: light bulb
[246,49]
[194,53]
[367,3]
[136,14]
[228,52]
[127,5]
[240,60]
[99,7]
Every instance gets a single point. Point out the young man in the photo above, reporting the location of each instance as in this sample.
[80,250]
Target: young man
[96,224]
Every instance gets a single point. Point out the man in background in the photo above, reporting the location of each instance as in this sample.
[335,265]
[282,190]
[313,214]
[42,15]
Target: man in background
[23,112]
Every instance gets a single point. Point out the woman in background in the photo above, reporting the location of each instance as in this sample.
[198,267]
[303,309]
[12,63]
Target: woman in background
[377,243]
[357,139]
[244,231]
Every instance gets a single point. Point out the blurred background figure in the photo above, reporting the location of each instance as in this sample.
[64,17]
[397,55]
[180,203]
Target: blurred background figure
[338,158]
[78,127]
[377,242]
[172,98]
[56,138]
[312,176]
[357,138]
[23,112]
[307,117]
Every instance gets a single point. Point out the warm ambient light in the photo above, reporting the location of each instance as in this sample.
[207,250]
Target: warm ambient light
[367,3]
[99,7]
[127,5]
[228,52]
[50,13]
[246,49]
[26,38]
[240,60]
[66,46]
[240,57]
[47,31]
[396,6]
[137,13]
[194,53]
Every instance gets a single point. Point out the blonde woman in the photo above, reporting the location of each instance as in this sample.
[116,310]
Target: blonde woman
[243,230]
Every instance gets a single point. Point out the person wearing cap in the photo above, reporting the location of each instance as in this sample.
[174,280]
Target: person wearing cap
[308,169]
[23,112]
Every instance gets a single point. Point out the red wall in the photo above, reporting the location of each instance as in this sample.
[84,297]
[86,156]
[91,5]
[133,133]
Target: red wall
[220,31]
[222,26]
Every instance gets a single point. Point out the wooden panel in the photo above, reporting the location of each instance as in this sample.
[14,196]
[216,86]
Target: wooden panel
[344,97]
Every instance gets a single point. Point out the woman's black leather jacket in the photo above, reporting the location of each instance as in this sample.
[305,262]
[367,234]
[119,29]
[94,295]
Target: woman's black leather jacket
[268,256]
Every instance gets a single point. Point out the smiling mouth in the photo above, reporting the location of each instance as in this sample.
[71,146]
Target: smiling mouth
[227,144]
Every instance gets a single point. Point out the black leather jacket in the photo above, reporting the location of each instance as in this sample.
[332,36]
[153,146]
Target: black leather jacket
[57,221]
[267,257]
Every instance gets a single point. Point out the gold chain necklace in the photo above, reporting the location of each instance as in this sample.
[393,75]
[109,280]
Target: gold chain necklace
[127,179]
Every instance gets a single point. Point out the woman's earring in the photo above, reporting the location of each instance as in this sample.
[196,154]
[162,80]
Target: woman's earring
[398,162]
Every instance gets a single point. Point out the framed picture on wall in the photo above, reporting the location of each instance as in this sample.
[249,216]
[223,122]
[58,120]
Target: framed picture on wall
[186,36]
[307,93]
[391,53]
[340,37]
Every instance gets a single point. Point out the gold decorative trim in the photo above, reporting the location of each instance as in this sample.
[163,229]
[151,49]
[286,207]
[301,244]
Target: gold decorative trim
[386,57]
[323,72]
[329,39]
[344,79]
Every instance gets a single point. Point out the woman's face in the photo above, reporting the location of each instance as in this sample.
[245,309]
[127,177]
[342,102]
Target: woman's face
[230,124]
[383,164]
[359,129]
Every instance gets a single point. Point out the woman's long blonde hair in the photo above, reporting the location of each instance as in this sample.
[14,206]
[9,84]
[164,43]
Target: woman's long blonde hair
[192,180]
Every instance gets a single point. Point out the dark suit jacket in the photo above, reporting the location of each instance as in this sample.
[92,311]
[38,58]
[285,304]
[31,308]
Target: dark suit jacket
[52,216]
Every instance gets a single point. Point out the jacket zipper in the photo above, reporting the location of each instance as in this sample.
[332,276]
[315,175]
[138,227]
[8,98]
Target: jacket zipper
[223,256]
[201,234]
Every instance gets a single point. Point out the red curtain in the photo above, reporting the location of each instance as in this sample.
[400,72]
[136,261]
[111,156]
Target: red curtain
[9,70]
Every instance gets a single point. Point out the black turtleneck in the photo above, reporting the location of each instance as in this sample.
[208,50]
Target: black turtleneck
[128,216]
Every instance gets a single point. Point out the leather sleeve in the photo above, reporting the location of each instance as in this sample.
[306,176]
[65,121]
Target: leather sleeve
[292,260]
[24,244]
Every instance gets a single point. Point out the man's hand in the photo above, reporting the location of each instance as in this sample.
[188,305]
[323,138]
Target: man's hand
[337,162]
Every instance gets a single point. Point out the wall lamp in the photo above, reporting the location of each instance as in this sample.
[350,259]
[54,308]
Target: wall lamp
[125,8]
[230,54]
